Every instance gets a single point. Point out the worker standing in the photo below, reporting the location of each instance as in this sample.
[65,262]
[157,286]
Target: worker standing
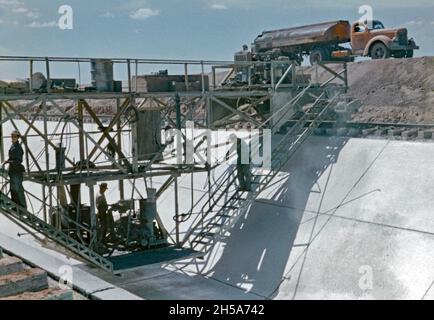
[243,164]
[243,169]
[104,217]
[16,170]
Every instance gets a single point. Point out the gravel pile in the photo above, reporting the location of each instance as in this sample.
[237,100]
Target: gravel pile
[392,90]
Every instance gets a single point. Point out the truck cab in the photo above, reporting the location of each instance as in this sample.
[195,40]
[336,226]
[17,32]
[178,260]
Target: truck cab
[374,40]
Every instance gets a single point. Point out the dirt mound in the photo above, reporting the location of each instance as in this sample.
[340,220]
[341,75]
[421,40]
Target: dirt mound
[393,90]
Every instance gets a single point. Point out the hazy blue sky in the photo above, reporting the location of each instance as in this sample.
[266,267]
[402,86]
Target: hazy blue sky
[196,29]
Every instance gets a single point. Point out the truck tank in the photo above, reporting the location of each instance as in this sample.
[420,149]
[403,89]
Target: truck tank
[303,38]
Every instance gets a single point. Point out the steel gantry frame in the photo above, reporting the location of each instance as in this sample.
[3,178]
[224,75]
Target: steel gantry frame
[83,165]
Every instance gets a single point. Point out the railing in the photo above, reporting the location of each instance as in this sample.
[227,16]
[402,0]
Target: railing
[206,212]
[127,63]
[60,220]
[280,154]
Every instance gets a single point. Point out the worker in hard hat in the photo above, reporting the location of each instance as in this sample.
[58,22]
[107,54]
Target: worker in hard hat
[104,217]
[16,170]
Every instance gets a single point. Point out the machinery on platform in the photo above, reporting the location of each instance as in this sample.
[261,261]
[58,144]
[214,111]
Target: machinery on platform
[131,229]
[137,230]
[254,69]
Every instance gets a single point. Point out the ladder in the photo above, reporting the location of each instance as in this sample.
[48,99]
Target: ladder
[222,214]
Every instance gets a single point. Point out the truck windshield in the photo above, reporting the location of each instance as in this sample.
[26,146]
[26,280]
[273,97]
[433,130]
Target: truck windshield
[377,25]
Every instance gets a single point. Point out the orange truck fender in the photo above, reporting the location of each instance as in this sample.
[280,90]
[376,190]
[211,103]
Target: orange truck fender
[384,39]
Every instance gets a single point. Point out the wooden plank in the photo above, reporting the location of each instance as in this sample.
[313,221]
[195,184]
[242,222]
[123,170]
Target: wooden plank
[10,265]
[28,280]
[47,294]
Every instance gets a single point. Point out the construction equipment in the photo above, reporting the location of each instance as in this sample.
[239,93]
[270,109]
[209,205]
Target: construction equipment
[139,237]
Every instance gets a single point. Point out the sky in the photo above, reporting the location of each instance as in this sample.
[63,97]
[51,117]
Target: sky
[179,29]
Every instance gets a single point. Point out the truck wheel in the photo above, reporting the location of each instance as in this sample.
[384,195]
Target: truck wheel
[318,55]
[409,54]
[380,51]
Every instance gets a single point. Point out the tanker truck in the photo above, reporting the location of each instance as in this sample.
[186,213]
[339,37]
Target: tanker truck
[324,42]
[328,41]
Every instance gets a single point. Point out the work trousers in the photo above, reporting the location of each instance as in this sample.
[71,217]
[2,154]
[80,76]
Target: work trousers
[17,189]
[106,224]
[244,176]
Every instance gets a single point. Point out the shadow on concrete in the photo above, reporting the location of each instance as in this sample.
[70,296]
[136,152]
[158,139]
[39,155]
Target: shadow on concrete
[255,254]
